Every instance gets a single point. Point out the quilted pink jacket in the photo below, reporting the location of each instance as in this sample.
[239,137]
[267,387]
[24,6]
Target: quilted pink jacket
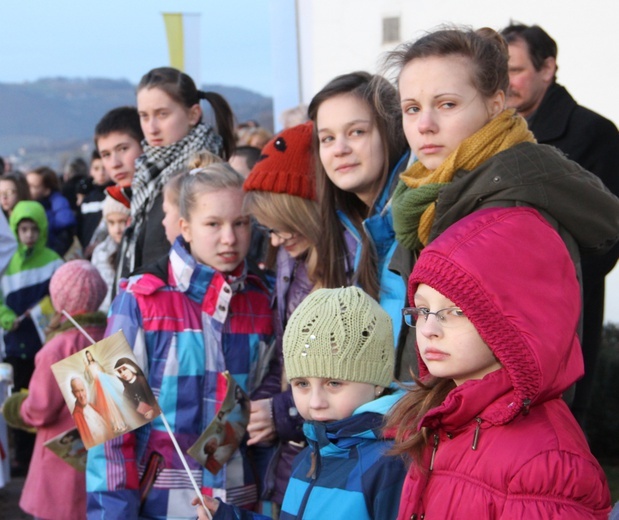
[53,489]
[507,446]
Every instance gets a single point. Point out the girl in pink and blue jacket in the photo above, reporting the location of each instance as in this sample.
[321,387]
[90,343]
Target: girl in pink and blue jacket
[189,317]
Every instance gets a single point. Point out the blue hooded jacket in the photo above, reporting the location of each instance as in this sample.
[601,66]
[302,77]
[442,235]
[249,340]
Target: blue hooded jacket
[343,473]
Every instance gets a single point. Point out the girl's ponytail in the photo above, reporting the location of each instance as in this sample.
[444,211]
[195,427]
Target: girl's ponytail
[224,120]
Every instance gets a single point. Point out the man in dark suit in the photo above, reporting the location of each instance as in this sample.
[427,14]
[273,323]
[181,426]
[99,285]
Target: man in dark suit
[587,138]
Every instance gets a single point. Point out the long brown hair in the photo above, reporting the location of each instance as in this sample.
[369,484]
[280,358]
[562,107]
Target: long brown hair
[406,414]
[381,98]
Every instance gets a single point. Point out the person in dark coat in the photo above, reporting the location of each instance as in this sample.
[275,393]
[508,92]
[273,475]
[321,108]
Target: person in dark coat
[591,140]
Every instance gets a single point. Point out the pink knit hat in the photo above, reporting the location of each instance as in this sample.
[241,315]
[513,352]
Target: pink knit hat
[77,288]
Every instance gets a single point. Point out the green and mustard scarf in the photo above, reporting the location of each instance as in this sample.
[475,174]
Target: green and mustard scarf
[414,199]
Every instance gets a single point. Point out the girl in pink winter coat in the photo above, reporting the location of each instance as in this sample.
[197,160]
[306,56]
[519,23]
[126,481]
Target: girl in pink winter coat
[54,490]
[497,304]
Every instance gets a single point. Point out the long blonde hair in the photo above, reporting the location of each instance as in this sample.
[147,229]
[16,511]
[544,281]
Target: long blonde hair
[289,213]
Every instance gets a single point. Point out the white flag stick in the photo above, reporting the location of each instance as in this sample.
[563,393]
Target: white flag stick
[77,326]
[182,457]
[165,423]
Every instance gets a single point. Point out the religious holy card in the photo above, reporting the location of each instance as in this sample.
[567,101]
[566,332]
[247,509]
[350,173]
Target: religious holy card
[106,390]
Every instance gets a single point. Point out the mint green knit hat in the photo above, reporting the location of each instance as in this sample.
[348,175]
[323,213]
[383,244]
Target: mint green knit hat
[340,334]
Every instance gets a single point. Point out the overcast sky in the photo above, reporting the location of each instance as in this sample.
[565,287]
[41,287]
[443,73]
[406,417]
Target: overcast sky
[124,39]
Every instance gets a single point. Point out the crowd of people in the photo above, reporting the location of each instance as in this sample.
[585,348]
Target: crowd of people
[407,282]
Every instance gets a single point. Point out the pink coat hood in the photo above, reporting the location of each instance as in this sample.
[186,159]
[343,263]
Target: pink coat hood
[511,274]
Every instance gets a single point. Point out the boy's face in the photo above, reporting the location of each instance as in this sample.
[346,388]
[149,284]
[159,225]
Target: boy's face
[118,153]
[28,232]
[116,224]
[98,173]
[327,400]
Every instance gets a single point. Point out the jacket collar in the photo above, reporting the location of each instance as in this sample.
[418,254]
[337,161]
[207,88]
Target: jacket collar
[551,119]
[194,278]
[366,422]
[180,270]
[491,399]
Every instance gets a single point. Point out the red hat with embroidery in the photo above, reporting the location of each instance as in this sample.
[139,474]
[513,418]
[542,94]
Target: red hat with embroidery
[286,164]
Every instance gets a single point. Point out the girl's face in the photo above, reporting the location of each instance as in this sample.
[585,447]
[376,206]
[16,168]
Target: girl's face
[116,224]
[350,147]
[171,221]
[295,244]
[165,121]
[217,230]
[8,195]
[441,106]
[457,352]
[327,400]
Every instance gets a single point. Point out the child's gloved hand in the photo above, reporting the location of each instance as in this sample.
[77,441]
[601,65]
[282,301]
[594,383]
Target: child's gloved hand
[11,409]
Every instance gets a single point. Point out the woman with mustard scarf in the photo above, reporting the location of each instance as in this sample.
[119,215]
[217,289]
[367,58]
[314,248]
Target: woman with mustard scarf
[473,153]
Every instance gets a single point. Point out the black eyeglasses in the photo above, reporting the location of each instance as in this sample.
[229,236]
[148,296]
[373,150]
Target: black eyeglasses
[449,317]
[282,235]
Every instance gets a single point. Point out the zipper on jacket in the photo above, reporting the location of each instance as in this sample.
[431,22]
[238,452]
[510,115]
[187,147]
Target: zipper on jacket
[476,434]
[316,464]
[434,451]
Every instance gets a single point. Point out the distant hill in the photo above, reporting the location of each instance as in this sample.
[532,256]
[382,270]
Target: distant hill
[51,120]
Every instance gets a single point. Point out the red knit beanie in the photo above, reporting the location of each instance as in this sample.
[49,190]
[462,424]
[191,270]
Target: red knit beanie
[286,164]
[77,288]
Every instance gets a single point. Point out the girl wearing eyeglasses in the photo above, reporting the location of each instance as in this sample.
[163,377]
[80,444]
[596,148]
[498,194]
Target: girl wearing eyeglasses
[497,304]
[281,195]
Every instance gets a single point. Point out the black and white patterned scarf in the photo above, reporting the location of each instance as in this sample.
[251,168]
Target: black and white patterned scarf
[153,170]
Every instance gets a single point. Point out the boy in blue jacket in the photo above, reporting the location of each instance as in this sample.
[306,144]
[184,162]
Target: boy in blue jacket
[338,354]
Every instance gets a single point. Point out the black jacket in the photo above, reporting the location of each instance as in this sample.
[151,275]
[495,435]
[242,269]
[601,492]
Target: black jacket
[587,138]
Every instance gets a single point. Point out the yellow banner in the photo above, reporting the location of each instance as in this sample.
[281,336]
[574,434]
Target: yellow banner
[174,31]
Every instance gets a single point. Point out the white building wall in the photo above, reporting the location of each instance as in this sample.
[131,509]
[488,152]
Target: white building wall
[340,36]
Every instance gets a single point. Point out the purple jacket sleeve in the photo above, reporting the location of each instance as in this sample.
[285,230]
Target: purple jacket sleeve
[288,422]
